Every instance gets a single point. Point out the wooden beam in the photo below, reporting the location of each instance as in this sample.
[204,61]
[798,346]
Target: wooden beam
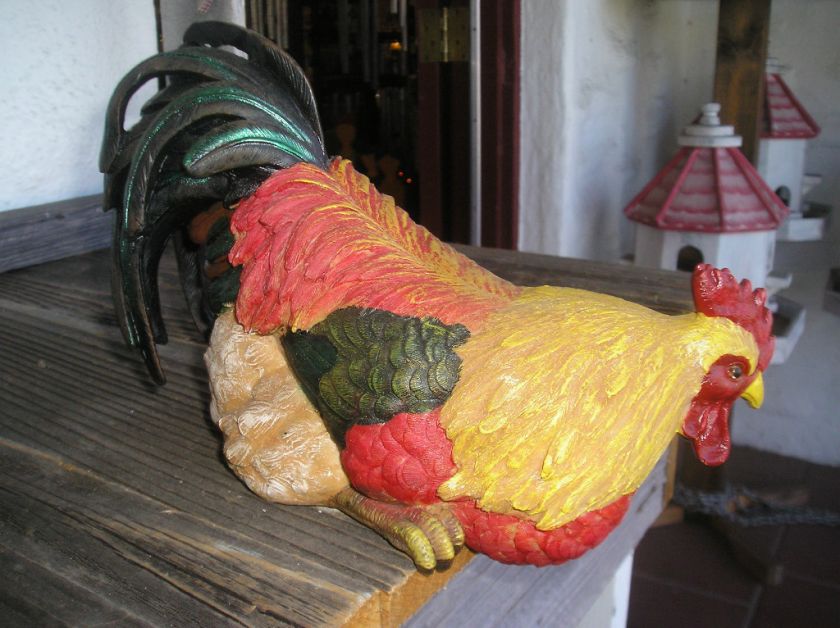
[42,233]
[500,53]
[443,122]
[743,27]
[117,506]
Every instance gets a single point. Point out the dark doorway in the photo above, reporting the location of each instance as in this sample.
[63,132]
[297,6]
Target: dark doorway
[392,79]
[783,192]
[688,258]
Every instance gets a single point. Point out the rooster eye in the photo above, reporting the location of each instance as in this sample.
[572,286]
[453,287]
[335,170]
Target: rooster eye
[735,371]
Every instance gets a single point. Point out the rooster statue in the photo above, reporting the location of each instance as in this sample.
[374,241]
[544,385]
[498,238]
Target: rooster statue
[357,362]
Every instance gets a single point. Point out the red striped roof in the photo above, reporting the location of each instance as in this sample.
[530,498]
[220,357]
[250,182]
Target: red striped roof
[708,189]
[785,117]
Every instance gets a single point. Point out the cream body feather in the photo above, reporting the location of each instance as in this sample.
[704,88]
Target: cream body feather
[275,440]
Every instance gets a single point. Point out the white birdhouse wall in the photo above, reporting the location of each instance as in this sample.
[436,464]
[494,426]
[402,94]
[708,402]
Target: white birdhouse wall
[781,163]
[747,255]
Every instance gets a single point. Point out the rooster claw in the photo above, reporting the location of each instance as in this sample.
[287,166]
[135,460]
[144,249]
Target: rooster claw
[428,534]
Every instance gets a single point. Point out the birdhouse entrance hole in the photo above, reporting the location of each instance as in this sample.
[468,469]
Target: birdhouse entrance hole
[783,192]
[688,258]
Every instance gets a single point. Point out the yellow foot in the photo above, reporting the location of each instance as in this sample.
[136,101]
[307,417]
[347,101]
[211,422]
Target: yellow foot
[428,534]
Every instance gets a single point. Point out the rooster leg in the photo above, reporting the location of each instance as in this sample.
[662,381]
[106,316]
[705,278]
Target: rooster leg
[428,534]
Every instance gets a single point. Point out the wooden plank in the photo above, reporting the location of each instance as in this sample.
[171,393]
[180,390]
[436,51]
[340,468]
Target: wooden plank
[61,600]
[662,290]
[487,593]
[117,488]
[232,576]
[63,541]
[96,413]
[395,607]
[139,447]
[743,28]
[33,235]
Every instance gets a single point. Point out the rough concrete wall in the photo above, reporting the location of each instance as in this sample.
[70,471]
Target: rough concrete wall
[61,62]
[606,87]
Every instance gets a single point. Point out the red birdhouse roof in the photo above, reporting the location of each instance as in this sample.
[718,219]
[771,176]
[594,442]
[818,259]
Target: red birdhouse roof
[709,186]
[784,115]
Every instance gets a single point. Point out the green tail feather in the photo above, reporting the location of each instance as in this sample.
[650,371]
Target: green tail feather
[217,129]
[239,143]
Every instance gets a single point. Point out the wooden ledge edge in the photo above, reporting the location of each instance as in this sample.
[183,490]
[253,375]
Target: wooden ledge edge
[389,610]
[44,233]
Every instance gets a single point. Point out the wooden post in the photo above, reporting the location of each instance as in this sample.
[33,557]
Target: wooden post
[443,123]
[743,27]
[500,54]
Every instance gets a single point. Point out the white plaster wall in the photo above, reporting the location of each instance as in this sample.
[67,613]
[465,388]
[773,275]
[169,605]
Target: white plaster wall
[606,87]
[803,36]
[801,412]
[61,61]
[177,15]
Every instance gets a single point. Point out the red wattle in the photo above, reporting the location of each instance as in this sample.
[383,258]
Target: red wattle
[707,425]
[509,539]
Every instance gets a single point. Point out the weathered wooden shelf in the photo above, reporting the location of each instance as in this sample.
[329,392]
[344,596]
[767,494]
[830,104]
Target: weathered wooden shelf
[117,506]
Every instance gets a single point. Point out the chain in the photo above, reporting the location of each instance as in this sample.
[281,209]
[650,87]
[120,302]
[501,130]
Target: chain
[746,508]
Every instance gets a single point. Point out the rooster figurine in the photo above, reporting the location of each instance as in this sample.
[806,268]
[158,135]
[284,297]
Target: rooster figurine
[357,362]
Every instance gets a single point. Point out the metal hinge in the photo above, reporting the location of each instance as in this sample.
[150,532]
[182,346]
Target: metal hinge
[443,34]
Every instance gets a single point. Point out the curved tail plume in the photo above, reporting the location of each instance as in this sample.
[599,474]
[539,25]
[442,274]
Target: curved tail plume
[219,126]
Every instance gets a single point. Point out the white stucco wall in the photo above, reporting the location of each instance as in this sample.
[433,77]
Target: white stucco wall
[803,37]
[61,61]
[606,87]
[177,15]
[801,415]
[801,412]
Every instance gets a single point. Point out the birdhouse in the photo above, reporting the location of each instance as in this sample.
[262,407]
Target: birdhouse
[781,154]
[708,204]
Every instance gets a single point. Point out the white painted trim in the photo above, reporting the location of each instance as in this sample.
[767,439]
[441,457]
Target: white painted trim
[621,592]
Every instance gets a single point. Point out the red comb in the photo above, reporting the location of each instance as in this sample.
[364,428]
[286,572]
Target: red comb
[718,293]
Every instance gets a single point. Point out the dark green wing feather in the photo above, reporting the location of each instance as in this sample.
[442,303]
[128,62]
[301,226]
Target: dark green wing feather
[218,127]
[361,365]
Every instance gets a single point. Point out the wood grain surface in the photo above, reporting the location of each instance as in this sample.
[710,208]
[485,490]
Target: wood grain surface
[117,506]
[42,233]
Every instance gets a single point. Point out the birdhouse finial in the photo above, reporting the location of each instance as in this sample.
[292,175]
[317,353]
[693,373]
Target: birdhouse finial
[708,132]
[710,115]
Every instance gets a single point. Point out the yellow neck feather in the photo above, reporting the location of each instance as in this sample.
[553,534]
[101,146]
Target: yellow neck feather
[567,399]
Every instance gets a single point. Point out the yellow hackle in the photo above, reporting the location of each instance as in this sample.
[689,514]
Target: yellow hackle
[567,399]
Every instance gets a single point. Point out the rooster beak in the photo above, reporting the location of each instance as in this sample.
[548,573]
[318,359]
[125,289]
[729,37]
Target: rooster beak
[754,393]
